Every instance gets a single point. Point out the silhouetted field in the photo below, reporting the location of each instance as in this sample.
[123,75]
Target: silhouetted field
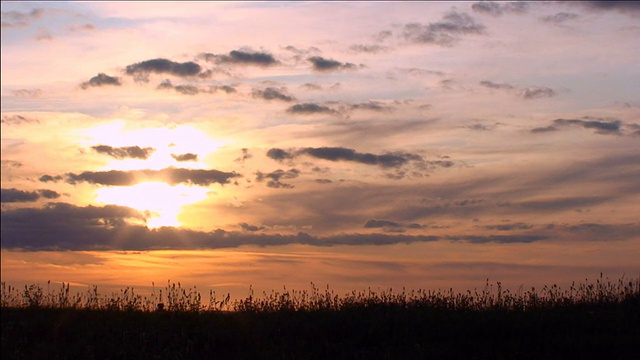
[598,320]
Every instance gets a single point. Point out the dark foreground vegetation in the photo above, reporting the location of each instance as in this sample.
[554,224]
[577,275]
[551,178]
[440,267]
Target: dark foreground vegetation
[598,320]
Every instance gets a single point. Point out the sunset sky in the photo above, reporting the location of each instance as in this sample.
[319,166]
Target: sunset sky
[355,144]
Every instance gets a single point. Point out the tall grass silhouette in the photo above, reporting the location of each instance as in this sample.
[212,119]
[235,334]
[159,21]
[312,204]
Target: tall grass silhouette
[589,320]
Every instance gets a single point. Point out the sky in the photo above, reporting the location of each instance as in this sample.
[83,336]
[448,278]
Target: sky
[223,145]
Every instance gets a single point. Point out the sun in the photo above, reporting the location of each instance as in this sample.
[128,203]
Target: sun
[164,202]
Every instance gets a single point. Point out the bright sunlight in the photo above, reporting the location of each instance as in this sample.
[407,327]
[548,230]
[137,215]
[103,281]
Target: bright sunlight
[163,201]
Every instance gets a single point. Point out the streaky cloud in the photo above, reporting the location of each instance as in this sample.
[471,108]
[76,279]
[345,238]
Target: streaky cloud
[171,176]
[133,152]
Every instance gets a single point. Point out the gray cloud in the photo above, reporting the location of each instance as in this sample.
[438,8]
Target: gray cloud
[510,226]
[601,126]
[495,8]
[500,239]
[493,85]
[276,176]
[251,228]
[101,79]
[373,49]
[371,106]
[559,18]
[279,154]
[49,178]
[313,86]
[544,129]
[182,89]
[185,157]
[171,176]
[27,93]
[241,57]
[627,7]
[326,65]
[11,163]
[372,224]
[245,156]
[17,19]
[537,92]
[559,204]
[387,160]
[14,195]
[534,92]
[17,120]
[134,152]
[311,108]
[445,33]
[62,226]
[390,226]
[142,69]
[344,154]
[271,93]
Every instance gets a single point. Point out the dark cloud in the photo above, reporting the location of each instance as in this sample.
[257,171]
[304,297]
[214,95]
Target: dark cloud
[245,156]
[559,18]
[182,89]
[326,65]
[373,49]
[27,93]
[17,19]
[372,224]
[17,120]
[251,228]
[101,79]
[544,129]
[500,239]
[66,227]
[240,57]
[444,33]
[345,154]
[14,195]
[311,108]
[134,152]
[388,160]
[272,93]
[185,157]
[49,178]
[11,163]
[312,86]
[276,176]
[142,69]
[495,8]
[371,106]
[560,204]
[537,92]
[493,85]
[601,126]
[279,154]
[627,7]
[634,129]
[390,226]
[510,226]
[43,35]
[171,176]
[226,88]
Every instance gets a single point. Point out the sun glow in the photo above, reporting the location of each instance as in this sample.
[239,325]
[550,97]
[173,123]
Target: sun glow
[163,201]
[167,142]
